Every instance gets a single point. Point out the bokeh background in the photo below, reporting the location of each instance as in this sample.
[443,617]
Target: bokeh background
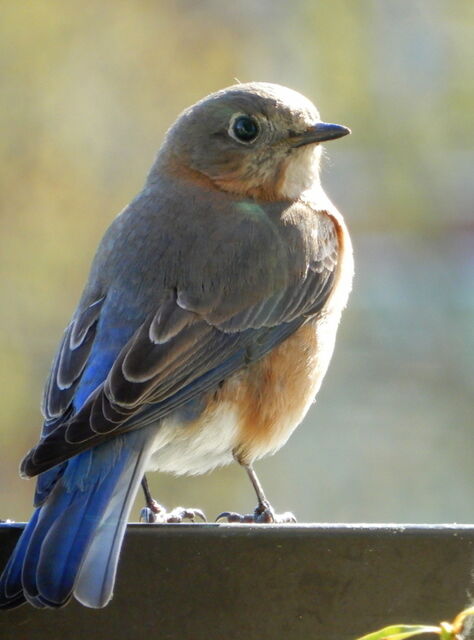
[87,92]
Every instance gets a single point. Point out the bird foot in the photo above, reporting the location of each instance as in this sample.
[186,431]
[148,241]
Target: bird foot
[155,513]
[263,514]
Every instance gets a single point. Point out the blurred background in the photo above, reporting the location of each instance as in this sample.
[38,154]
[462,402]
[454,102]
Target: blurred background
[88,90]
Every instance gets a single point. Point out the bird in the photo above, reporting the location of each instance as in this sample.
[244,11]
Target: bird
[201,338]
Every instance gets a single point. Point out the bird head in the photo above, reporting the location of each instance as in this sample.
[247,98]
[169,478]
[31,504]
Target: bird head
[257,140]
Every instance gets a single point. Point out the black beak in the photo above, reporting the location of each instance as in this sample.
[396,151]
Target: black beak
[320,132]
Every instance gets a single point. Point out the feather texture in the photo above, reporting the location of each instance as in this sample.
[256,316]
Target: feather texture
[177,354]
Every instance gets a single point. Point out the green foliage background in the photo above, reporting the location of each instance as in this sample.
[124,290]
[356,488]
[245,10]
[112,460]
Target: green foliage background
[88,89]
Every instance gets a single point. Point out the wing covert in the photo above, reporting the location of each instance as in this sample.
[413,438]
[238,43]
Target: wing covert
[69,362]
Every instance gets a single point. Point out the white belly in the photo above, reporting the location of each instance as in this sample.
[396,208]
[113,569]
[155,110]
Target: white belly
[197,447]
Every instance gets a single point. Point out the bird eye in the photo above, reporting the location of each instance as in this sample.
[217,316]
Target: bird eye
[244,129]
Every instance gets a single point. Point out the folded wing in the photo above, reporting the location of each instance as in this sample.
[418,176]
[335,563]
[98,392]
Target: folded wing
[176,354]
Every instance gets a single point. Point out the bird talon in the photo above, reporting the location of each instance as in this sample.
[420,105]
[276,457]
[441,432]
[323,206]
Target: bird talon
[155,513]
[176,516]
[230,516]
[179,514]
[197,513]
[263,514]
[233,517]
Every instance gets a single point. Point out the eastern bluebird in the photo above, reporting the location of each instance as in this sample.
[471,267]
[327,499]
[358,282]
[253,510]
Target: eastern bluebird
[202,335]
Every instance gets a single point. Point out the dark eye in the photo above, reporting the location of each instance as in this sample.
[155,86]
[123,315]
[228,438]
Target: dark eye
[245,128]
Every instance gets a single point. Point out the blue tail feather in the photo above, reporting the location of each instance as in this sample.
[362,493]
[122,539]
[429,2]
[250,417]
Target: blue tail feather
[52,509]
[11,590]
[64,545]
[95,582]
[72,542]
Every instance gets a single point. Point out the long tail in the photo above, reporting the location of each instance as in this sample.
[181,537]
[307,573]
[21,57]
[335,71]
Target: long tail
[72,543]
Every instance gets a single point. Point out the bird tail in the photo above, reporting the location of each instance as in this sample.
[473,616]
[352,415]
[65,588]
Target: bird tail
[72,543]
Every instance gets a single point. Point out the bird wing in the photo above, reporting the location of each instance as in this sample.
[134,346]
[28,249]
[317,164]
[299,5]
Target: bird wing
[184,347]
[70,361]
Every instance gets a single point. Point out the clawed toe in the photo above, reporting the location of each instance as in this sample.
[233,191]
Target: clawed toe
[232,516]
[159,515]
[155,513]
[263,514]
[180,514]
[283,518]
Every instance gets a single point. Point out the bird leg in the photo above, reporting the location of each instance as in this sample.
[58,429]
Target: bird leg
[264,512]
[155,513]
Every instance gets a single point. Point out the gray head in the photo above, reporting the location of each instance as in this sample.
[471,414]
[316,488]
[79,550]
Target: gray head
[255,139]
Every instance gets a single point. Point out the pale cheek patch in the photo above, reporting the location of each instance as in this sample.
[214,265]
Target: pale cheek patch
[302,172]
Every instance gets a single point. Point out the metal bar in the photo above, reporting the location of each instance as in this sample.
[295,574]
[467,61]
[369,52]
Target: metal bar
[324,582]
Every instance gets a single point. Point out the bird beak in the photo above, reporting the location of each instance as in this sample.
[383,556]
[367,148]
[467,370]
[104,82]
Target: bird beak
[320,132]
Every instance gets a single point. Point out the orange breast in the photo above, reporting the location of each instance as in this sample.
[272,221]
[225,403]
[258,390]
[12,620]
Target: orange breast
[271,397]
[267,400]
